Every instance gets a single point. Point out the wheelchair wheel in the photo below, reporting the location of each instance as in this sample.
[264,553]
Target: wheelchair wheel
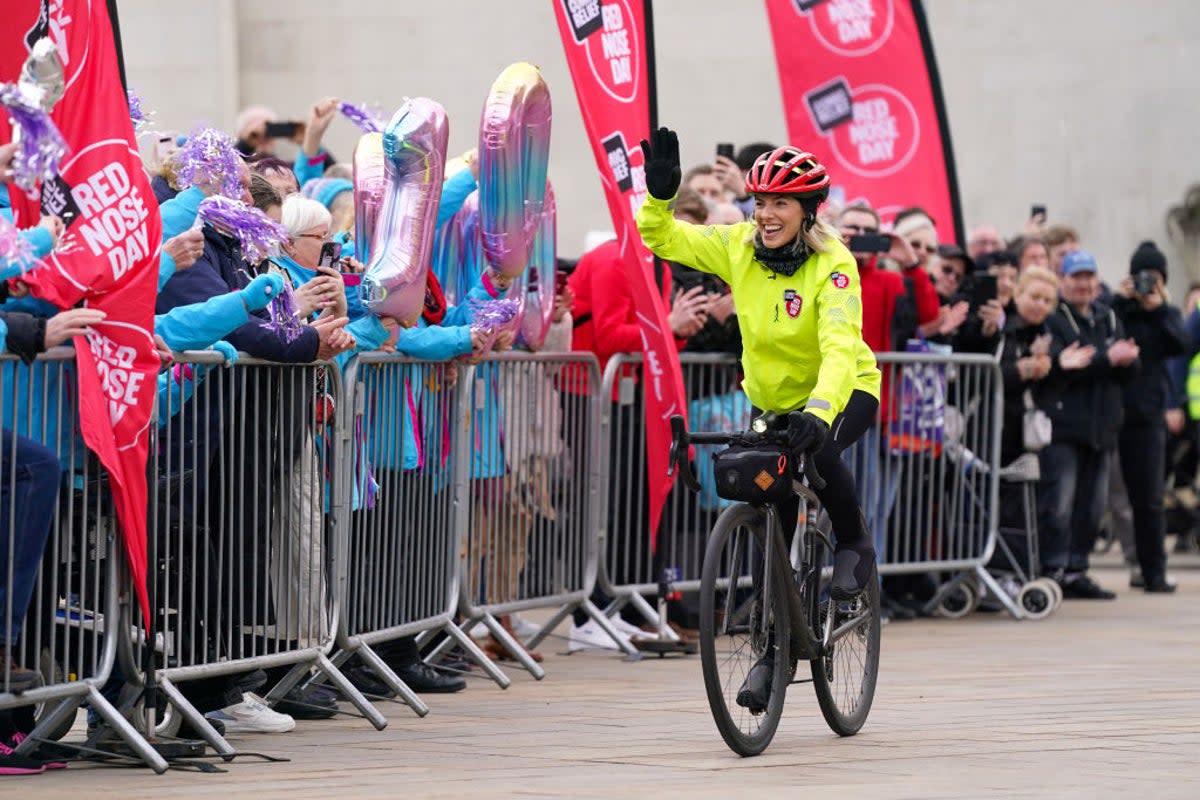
[1036,600]
[959,601]
[1053,587]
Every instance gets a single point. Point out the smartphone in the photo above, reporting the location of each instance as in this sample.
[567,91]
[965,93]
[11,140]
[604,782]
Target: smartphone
[330,253]
[870,243]
[1038,211]
[282,130]
[983,289]
[725,149]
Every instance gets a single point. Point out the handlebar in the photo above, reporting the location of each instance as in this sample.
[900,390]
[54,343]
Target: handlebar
[764,430]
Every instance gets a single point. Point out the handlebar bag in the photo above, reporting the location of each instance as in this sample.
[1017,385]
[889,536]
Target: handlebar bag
[757,475]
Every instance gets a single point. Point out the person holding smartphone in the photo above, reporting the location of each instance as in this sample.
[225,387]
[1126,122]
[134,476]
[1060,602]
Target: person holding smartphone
[989,291]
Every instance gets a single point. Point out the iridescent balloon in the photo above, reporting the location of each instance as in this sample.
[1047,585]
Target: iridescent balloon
[414,152]
[514,156]
[539,286]
[370,181]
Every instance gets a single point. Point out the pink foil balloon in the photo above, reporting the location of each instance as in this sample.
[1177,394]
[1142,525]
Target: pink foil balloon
[370,181]
[540,284]
[414,157]
[514,157]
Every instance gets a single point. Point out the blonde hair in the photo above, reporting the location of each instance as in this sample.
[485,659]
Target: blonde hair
[1031,274]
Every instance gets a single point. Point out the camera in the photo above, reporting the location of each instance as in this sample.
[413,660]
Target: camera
[1144,282]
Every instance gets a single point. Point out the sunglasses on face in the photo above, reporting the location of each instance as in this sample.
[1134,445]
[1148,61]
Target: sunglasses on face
[860,229]
[919,247]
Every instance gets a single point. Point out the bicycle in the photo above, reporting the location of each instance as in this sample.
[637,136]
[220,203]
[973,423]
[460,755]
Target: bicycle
[760,595]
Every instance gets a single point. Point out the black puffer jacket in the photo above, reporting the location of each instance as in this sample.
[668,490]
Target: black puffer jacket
[1085,405]
[1016,342]
[1160,335]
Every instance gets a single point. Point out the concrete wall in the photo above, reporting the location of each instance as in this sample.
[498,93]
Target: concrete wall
[1083,106]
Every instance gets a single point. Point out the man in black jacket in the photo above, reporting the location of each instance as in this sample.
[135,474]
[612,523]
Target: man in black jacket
[1091,359]
[1159,332]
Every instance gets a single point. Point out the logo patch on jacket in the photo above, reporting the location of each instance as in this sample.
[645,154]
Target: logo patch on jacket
[839,279]
[794,302]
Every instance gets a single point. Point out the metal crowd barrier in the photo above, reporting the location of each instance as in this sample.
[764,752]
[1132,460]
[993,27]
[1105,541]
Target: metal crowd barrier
[399,573]
[531,517]
[241,535]
[68,629]
[929,471]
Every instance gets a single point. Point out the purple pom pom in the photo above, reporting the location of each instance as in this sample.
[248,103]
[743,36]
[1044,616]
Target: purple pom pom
[137,114]
[257,233]
[209,159]
[366,120]
[494,315]
[41,146]
[285,316]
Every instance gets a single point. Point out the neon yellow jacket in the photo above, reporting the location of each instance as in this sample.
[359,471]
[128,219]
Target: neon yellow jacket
[802,342]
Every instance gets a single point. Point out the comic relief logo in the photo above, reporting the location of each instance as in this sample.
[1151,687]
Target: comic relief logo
[849,27]
[840,280]
[873,129]
[628,169]
[793,302]
[112,215]
[120,377]
[584,16]
[612,48]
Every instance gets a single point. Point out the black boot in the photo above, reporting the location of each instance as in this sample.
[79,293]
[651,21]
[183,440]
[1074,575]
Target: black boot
[756,689]
[851,570]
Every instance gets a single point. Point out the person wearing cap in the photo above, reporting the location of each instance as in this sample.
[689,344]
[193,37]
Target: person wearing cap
[1140,303]
[1091,359]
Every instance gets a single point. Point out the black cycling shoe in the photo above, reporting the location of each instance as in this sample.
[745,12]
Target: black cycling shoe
[756,689]
[851,571]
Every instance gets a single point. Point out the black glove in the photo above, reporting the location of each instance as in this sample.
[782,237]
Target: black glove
[662,163]
[805,432]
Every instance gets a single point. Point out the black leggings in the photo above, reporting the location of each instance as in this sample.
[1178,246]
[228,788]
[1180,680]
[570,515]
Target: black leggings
[839,497]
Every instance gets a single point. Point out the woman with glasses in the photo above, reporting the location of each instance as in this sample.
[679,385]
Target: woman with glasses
[917,228]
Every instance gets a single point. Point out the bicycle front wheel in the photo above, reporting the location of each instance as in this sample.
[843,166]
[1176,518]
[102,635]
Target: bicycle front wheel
[743,620]
[844,676]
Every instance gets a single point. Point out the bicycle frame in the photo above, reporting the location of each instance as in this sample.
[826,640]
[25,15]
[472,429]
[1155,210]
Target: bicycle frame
[783,560]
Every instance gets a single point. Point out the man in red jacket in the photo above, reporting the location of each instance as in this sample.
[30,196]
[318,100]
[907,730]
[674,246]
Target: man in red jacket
[606,324]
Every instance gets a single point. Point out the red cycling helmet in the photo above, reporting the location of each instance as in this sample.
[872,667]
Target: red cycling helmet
[788,170]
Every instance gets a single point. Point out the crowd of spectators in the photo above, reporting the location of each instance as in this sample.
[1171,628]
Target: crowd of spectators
[1110,367]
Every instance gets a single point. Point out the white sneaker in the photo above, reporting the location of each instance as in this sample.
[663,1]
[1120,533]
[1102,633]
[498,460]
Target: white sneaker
[252,716]
[590,636]
[634,633]
[524,629]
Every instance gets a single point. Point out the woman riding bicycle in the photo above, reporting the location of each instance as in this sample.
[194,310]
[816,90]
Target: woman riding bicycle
[799,306]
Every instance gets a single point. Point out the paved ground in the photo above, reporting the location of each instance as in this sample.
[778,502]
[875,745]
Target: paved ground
[1100,700]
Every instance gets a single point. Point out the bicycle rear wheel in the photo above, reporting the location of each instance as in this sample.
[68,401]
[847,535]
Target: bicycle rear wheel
[743,617]
[844,676]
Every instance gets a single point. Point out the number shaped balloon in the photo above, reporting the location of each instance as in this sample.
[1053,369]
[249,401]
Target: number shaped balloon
[514,157]
[414,158]
[540,284]
[370,181]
